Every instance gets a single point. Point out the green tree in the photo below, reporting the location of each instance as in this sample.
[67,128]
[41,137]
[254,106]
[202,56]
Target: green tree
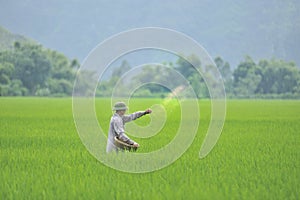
[6,71]
[278,77]
[226,73]
[36,70]
[31,65]
[246,78]
[118,72]
[186,68]
[105,87]
[61,75]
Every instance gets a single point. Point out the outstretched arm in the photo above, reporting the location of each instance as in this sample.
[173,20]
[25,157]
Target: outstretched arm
[134,116]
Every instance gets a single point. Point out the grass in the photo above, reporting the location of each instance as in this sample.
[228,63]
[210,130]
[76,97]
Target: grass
[256,157]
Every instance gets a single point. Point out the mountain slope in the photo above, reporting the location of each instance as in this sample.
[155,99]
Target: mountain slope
[7,39]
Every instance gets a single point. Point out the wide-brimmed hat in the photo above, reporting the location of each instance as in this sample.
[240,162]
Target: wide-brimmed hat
[120,106]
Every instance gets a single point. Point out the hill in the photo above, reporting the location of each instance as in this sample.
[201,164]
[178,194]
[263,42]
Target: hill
[7,39]
[29,68]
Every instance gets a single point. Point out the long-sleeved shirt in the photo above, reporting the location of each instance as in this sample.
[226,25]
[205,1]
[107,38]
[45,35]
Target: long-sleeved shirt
[117,129]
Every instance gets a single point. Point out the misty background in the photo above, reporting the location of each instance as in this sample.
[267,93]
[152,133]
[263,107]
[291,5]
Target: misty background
[228,28]
[259,37]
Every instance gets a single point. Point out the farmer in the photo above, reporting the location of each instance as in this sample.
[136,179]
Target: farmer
[117,123]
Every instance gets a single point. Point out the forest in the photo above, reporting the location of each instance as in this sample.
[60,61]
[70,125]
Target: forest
[29,69]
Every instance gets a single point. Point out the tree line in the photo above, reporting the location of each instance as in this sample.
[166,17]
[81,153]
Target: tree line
[272,78]
[31,70]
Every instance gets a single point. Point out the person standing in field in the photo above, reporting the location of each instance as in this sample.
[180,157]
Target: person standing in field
[117,126]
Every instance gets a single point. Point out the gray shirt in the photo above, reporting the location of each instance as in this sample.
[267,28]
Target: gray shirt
[117,128]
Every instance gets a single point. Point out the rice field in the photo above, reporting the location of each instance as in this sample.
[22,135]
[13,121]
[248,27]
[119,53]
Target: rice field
[256,157]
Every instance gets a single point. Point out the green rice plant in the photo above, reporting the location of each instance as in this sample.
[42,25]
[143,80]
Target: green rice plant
[256,157]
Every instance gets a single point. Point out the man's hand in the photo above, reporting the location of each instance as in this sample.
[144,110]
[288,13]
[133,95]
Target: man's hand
[148,111]
[136,144]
